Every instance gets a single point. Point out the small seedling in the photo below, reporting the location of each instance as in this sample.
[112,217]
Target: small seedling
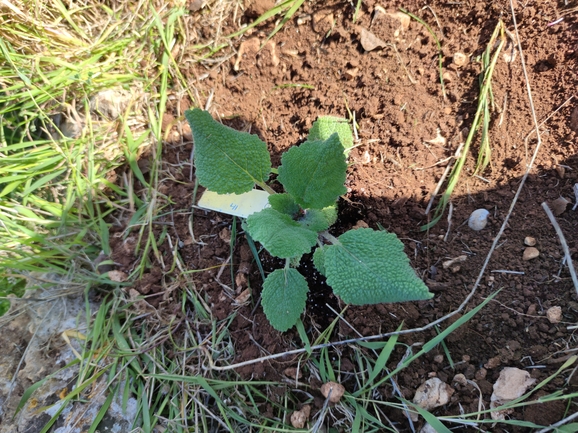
[362,266]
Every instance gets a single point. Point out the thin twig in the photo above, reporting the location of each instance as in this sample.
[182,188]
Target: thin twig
[564,244]
[503,271]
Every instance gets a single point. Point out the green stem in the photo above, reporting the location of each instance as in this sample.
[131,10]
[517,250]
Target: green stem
[266,187]
[329,238]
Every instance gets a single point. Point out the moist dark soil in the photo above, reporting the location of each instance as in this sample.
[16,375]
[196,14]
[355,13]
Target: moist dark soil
[408,131]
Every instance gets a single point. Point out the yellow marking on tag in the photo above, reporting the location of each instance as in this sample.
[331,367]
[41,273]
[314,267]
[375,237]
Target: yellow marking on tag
[241,205]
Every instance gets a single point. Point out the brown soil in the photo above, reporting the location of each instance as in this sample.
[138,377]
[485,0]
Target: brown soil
[398,103]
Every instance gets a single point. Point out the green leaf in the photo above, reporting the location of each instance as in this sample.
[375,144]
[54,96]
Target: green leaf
[568,428]
[330,214]
[279,234]
[284,203]
[283,298]
[325,126]
[319,260]
[431,419]
[370,267]
[227,161]
[314,173]
[314,219]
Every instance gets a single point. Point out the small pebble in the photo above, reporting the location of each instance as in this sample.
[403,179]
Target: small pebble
[460,59]
[529,241]
[461,379]
[369,41]
[554,314]
[493,362]
[448,77]
[333,390]
[530,253]
[350,74]
[478,219]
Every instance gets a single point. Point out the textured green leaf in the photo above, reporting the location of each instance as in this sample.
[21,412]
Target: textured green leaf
[227,161]
[279,234]
[319,259]
[314,173]
[330,213]
[283,297]
[370,267]
[325,126]
[284,203]
[314,219]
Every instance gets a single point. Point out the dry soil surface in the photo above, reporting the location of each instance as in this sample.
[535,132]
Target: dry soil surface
[408,132]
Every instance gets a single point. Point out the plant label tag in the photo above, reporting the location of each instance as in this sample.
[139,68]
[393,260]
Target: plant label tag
[241,205]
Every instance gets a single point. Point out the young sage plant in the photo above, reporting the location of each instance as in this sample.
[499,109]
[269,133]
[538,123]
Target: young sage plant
[362,266]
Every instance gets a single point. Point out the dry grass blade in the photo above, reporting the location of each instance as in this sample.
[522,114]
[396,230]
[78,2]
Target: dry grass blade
[481,120]
[564,244]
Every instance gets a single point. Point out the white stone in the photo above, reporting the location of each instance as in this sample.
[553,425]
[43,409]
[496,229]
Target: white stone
[554,314]
[478,219]
[460,59]
[511,384]
[431,394]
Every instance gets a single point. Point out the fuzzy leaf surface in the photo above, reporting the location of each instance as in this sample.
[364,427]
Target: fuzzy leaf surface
[325,126]
[330,213]
[315,219]
[227,161]
[370,267]
[284,203]
[314,173]
[319,260]
[283,297]
[280,235]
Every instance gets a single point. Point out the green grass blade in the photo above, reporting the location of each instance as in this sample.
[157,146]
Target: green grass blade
[438,426]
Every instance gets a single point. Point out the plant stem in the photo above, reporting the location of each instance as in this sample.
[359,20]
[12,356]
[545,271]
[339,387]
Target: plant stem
[266,187]
[330,238]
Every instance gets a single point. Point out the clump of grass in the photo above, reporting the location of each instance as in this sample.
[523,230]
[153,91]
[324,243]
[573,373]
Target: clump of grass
[481,121]
[55,190]
[288,8]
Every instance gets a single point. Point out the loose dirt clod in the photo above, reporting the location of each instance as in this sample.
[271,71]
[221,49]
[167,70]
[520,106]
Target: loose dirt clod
[251,53]
[530,253]
[369,41]
[554,314]
[293,373]
[558,206]
[431,394]
[332,390]
[323,22]
[350,74]
[511,384]
[117,276]
[299,417]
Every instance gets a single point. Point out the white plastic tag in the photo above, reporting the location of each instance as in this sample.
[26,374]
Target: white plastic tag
[241,205]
